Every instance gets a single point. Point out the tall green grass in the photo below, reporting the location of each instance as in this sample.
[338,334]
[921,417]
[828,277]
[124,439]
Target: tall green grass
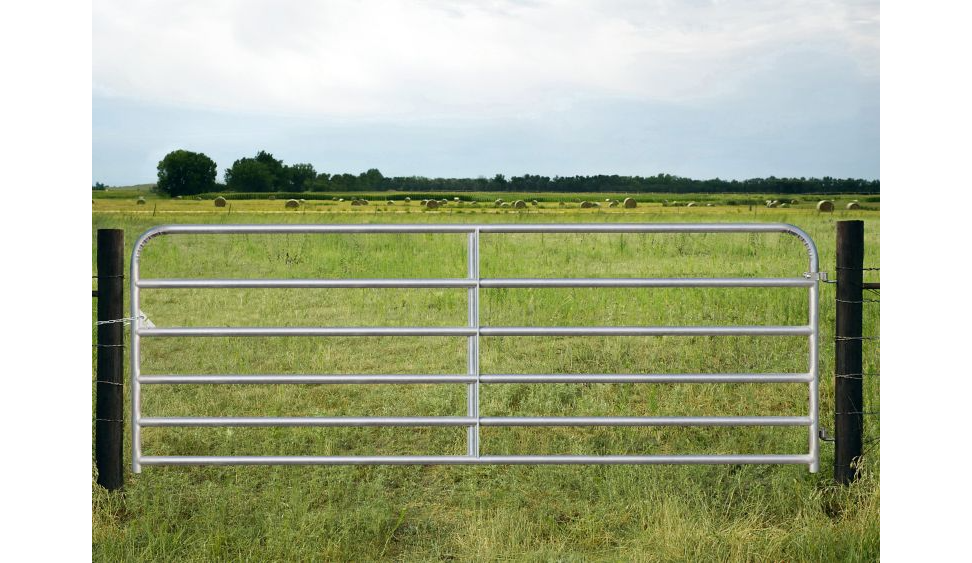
[488,513]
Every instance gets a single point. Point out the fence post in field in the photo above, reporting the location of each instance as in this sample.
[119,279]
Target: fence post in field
[109,411]
[849,372]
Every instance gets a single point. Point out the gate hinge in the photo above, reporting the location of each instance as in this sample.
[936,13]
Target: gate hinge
[825,436]
[822,276]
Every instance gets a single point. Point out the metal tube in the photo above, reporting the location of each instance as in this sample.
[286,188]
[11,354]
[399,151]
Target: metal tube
[647,331]
[647,282]
[135,354]
[815,380]
[182,283]
[304,379]
[650,378]
[498,228]
[472,390]
[731,459]
[275,421]
[646,421]
[308,331]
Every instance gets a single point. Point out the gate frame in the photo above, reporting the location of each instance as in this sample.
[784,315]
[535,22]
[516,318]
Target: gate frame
[473,378]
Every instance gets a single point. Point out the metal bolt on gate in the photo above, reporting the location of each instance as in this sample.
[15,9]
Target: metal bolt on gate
[473,331]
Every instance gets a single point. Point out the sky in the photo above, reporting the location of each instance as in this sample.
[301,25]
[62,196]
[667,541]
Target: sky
[731,89]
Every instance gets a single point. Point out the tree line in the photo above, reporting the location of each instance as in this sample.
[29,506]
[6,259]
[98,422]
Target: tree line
[184,172]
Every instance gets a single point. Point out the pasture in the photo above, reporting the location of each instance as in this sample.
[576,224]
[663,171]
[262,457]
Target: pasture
[578,513]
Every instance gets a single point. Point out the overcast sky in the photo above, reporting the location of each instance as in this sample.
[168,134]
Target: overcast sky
[730,89]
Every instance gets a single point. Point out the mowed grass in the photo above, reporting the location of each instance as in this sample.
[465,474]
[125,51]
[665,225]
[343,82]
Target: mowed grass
[490,512]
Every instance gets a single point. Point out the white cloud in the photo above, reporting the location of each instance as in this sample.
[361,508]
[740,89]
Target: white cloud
[467,59]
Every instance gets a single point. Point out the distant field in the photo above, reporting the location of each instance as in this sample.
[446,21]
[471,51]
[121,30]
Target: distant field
[119,200]
[576,513]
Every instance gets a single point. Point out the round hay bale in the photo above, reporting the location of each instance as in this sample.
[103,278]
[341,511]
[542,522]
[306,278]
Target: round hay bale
[613,204]
[408,199]
[498,202]
[389,202]
[595,204]
[198,198]
[784,205]
[302,200]
[178,197]
[825,205]
[340,199]
[771,204]
[630,203]
[220,201]
[334,199]
[853,205]
[272,197]
[433,204]
[519,204]
[690,204]
[505,204]
[140,201]
[562,204]
[536,203]
[708,205]
[291,204]
[474,203]
[455,199]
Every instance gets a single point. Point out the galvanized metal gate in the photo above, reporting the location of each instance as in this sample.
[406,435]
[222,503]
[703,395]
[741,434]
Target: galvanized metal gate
[473,331]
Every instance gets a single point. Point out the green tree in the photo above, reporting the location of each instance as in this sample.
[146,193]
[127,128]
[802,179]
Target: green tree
[370,180]
[300,176]
[184,172]
[276,169]
[249,175]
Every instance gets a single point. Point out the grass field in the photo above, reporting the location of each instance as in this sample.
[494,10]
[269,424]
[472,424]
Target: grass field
[578,513]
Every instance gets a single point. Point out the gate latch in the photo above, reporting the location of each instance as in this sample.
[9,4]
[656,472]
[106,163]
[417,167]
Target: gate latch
[822,276]
[825,436]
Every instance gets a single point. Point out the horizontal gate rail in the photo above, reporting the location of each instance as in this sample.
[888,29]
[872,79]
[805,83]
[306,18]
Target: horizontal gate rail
[484,378]
[308,331]
[485,331]
[354,421]
[190,283]
[472,332]
[711,459]
[646,282]
[304,379]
